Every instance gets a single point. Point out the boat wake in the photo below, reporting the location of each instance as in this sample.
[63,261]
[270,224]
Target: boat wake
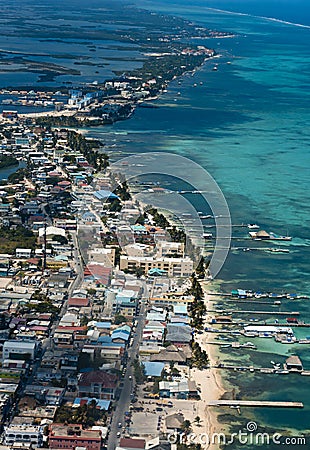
[271,19]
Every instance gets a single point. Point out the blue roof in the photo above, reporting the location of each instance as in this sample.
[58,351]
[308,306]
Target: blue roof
[156,272]
[120,335]
[153,369]
[103,404]
[104,194]
[105,339]
[103,324]
[180,309]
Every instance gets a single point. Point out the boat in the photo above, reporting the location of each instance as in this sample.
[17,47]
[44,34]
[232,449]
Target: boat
[207,235]
[277,237]
[214,68]
[252,226]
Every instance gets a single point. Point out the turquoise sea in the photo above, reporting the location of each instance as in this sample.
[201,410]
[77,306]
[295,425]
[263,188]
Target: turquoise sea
[248,124]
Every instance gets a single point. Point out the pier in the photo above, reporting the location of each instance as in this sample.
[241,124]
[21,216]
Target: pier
[275,313]
[256,403]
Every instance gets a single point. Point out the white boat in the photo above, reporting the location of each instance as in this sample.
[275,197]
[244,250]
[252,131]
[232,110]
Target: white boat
[253,226]
[207,235]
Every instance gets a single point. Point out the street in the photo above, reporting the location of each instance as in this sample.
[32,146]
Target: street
[122,405]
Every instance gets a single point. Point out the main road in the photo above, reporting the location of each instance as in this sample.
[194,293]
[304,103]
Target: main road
[122,405]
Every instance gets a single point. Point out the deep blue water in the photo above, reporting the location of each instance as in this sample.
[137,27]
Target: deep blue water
[247,124]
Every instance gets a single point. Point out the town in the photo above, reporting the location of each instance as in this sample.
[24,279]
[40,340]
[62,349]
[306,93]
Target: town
[97,330]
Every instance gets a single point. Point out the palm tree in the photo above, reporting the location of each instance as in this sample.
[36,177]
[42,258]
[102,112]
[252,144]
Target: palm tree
[197,420]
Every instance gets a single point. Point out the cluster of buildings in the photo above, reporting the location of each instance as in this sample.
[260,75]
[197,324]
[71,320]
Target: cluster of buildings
[72,288]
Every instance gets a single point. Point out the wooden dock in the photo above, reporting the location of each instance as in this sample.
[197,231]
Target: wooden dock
[256,404]
[237,311]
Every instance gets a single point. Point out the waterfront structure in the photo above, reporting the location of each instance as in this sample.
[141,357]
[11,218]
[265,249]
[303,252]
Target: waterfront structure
[174,267]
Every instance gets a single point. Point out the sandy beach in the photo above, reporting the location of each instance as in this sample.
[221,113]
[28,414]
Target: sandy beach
[211,386]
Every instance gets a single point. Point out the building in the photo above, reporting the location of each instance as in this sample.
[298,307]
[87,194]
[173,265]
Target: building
[19,350]
[23,253]
[294,363]
[23,434]
[70,437]
[98,384]
[173,267]
[171,299]
[104,256]
[182,389]
[166,248]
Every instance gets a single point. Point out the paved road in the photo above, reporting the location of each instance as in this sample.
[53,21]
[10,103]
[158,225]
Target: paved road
[123,403]
[76,283]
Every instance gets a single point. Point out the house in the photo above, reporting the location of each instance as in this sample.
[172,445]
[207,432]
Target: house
[153,369]
[78,302]
[179,334]
[70,437]
[182,389]
[54,395]
[23,253]
[173,354]
[120,335]
[98,384]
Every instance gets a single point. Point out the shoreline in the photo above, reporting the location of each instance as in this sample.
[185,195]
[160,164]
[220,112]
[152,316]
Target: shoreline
[211,389]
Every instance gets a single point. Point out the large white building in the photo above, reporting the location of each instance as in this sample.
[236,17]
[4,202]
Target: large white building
[174,267]
[19,350]
[24,434]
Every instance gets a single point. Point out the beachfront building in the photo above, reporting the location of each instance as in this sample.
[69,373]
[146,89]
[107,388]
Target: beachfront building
[172,299]
[177,389]
[173,267]
[171,249]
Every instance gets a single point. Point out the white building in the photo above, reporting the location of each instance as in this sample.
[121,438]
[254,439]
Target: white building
[174,267]
[170,249]
[24,434]
[23,253]
[22,349]
[105,256]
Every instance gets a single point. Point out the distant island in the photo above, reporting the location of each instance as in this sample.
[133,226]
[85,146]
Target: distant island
[167,47]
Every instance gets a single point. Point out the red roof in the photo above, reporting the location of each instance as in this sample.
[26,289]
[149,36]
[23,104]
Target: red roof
[46,316]
[77,301]
[34,261]
[108,380]
[132,443]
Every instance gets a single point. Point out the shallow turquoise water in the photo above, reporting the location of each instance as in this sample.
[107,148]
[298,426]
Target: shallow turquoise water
[247,124]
